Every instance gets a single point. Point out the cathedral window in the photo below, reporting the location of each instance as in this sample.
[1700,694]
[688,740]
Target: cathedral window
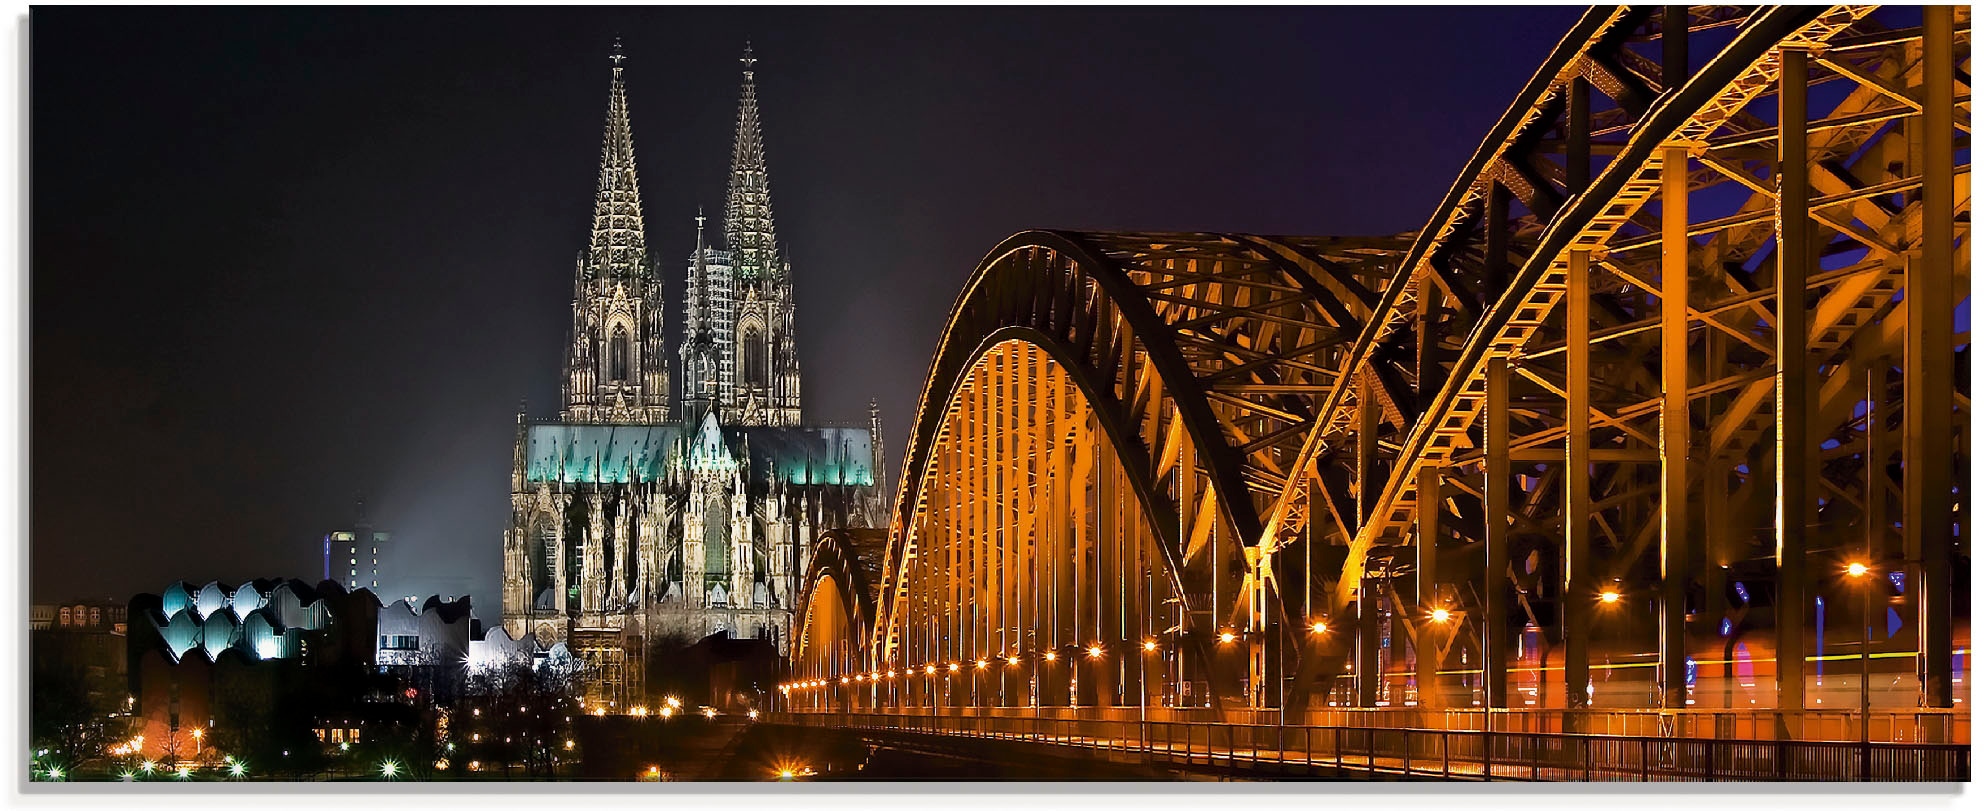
[752,347]
[616,354]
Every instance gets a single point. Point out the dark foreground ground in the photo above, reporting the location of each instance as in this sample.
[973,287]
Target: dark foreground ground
[734,749]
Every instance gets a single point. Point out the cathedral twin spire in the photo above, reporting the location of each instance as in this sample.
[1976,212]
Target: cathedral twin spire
[740,358]
[747,214]
[616,366]
[738,353]
[619,238]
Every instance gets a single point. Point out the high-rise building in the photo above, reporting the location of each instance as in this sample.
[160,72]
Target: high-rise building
[351,556]
[637,520]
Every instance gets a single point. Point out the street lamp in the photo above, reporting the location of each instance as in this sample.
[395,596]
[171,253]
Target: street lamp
[1859,571]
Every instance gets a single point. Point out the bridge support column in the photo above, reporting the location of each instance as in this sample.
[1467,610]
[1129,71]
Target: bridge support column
[1428,633]
[1676,251]
[1107,575]
[1794,460]
[1928,399]
[1495,540]
[1366,665]
[1574,614]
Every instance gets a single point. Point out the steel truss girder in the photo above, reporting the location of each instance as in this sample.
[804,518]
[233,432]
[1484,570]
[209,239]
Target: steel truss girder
[1241,336]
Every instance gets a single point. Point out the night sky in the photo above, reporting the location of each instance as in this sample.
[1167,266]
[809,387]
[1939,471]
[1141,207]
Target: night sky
[282,257]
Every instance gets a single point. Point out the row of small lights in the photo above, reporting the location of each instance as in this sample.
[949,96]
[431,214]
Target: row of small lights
[1439,615]
[1095,651]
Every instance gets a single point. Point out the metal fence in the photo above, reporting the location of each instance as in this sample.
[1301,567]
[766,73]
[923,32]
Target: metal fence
[1290,750]
[1913,726]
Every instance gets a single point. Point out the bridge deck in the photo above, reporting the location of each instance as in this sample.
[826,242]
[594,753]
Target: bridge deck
[1309,751]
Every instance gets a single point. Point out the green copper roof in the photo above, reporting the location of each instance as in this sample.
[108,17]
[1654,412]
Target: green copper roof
[642,453]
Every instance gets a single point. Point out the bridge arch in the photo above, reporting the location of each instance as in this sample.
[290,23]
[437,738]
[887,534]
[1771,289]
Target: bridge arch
[1190,363]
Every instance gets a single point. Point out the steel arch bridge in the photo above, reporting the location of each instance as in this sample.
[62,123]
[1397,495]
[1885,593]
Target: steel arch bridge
[1679,345]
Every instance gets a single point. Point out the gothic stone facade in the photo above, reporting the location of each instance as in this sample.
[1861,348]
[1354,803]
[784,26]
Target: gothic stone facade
[638,518]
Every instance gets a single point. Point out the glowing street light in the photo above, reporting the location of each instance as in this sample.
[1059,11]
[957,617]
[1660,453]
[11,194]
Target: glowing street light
[929,670]
[390,769]
[980,664]
[1226,637]
[236,768]
[1440,615]
[1095,651]
[1608,597]
[954,667]
[1858,570]
[1150,645]
[1012,660]
[1319,627]
[753,715]
[1049,656]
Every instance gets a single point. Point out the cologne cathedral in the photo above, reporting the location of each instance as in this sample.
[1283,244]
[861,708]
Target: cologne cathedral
[644,517]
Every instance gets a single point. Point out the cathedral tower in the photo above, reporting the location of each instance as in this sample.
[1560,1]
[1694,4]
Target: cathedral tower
[747,310]
[616,365]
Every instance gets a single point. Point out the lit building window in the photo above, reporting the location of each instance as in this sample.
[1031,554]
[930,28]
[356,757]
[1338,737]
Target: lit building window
[65,615]
[96,616]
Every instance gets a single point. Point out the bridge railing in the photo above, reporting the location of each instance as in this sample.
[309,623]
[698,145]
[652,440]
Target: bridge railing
[1915,726]
[1447,754]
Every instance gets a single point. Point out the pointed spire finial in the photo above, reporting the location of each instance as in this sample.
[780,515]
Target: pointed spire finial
[748,59]
[699,224]
[618,56]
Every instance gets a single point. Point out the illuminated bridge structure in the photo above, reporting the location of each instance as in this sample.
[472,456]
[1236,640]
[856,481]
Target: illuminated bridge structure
[1584,462]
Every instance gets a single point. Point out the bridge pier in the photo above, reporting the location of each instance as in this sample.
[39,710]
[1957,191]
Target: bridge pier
[1794,457]
[1365,667]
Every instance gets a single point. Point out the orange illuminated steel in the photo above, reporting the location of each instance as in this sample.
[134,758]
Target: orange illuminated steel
[1636,291]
